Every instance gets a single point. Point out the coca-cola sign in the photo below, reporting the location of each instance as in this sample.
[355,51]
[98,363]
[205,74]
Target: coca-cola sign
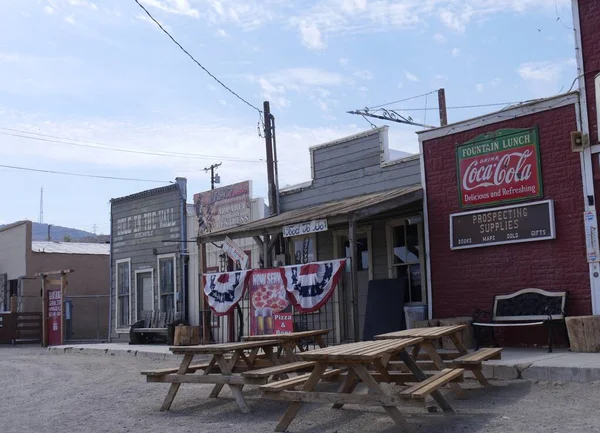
[499,167]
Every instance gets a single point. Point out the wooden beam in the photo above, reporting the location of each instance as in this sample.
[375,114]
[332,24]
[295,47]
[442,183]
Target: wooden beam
[273,241]
[259,242]
[273,230]
[61,272]
[209,378]
[354,275]
[389,205]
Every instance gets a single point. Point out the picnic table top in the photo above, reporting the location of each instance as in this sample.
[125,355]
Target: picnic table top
[360,351]
[221,347]
[287,336]
[425,333]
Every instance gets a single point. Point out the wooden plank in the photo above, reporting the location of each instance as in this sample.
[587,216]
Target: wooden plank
[361,351]
[38,321]
[290,336]
[236,390]
[437,381]
[165,371]
[333,398]
[185,363]
[463,350]
[425,333]
[277,369]
[221,348]
[296,381]
[584,333]
[216,379]
[479,356]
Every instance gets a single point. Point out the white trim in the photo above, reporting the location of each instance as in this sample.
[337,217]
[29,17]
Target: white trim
[586,155]
[167,256]
[117,329]
[595,148]
[516,241]
[363,134]
[143,271]
[426,229]
[499,116]
[492,325]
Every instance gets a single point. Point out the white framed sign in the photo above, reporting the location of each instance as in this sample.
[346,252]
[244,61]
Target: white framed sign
[235,252]
[591,228]
[305,228]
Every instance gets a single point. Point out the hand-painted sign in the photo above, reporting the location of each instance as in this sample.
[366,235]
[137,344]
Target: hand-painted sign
[305,228]
[499,167]
[503,225]
[591,230]
[223,208]
[55,312]
[270,309]
[235,252]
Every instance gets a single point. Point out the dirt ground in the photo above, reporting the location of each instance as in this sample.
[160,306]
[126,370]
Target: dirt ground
[49,392]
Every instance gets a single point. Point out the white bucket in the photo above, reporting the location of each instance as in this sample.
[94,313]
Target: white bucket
[412,313]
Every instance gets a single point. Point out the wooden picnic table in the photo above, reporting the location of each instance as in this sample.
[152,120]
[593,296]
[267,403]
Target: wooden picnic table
[218,371]
[429,335]
[289,341]
[356,358]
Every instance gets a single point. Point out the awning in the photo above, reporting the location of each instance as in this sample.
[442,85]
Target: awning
[336,212]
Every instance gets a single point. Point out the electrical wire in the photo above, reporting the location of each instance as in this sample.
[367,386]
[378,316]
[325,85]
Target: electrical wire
[371,123]
[497,104]
[196,61]
[98,146]
[85,175]
[402,100]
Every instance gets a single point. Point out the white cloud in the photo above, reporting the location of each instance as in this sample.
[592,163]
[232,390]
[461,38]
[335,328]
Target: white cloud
[363,74]
[49,10]
[496,82]
[456,21]
[69,20]
[363,89]
[222,33]
[311,36]
[544,78]
[180,7]
[455,52]
[479,87]
[344,61]
[438,37]
[411,77]
[441,77]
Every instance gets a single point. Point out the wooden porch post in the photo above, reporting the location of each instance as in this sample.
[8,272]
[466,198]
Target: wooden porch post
[354,275]
[205,320]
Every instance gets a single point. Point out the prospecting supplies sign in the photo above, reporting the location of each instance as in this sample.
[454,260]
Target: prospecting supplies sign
[499,167]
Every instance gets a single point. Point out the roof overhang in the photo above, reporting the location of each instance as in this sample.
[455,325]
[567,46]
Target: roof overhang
[336,212]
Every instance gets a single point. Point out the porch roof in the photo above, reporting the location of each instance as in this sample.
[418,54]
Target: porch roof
[336,212]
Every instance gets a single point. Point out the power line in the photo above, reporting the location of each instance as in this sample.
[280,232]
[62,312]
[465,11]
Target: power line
[196,61]
[84,175]
[98,146]
[497,104]
[403,100]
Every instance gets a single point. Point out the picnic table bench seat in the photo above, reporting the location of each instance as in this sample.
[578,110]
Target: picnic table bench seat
[279,369]
[477,357]
[433,383]
[293,382]
[166,371]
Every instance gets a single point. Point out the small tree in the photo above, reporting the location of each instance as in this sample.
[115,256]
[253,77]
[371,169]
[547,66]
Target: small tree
[67,238]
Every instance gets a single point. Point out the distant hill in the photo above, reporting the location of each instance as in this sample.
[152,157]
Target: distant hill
[58,233]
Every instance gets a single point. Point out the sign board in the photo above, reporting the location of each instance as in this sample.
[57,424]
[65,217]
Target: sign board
[223,208]
[591,228]
[305,228]
[235,252]
[503,225]
[499,167]
[55,311]
[270,309]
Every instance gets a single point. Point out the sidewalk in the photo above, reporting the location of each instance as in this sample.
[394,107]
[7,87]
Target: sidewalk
[516,363]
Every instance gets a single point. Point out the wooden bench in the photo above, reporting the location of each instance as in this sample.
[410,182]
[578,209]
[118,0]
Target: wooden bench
[433,383]
[527,307]
[474,359]
[155,325]
[293,382]
[277,370]
[165,371]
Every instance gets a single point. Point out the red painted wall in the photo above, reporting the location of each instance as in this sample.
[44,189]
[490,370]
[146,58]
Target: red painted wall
[464,280]
[589,13]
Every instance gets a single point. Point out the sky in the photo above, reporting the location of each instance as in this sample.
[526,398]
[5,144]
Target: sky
[80,76]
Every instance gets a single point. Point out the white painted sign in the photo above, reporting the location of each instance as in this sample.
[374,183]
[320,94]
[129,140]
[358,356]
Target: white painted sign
[591,228]
[235,252]
[305,228]
[143,225]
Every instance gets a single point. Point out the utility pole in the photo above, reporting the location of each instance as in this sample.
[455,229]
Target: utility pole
[49,237]
[270,162]
[442,107]
[213,178]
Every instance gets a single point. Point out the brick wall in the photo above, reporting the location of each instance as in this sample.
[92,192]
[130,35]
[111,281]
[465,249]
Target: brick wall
[589,13]
[467,279]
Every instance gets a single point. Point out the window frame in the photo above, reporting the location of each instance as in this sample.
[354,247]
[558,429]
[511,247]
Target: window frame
[160,257]
[144,271]
[117,296]
[389,236]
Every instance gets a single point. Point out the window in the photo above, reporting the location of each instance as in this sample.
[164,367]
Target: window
[406,258]
[362,248]
[304,250]
[123,293]
[166,278]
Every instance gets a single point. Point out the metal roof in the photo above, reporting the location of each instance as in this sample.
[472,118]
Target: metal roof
[70,248]
[335,211]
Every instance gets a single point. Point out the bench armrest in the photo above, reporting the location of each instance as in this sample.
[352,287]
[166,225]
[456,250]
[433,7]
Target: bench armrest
[480,314]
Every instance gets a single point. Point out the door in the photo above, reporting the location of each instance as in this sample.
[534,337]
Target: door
[407,259]
[145,292]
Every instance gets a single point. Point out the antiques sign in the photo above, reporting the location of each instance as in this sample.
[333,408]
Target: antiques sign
[499,167]
[503,225]
[223,208]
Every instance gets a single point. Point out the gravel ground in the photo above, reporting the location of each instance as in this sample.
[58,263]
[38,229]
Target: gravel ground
[48,392]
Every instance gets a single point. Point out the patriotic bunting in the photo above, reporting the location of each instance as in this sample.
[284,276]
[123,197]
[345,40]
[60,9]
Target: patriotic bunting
[310,286]
[224,290]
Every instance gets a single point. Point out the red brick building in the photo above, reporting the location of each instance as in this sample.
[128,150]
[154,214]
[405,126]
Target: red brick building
[478,174]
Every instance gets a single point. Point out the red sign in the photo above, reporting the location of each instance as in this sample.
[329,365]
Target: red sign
[500,167]
[55,317]
[270,310]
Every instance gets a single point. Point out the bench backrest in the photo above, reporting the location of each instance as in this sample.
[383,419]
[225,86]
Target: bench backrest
[159,319]
[530,304]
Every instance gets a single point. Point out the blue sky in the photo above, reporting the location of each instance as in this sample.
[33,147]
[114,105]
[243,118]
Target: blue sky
[100,72]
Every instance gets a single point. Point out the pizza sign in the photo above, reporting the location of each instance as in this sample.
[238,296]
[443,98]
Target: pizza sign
[271,311]
[499,167]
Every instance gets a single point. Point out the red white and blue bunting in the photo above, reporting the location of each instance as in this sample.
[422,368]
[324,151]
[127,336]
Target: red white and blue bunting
[310,286]
[224,290]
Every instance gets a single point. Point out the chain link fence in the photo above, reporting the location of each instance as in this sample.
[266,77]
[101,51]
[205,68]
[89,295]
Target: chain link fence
[86,318]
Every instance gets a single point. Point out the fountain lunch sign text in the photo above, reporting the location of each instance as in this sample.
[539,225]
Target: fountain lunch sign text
[499,167]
